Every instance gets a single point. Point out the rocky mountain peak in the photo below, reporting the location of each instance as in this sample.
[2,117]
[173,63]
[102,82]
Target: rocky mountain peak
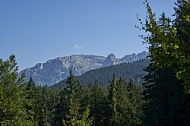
[143,54]
[111,56]
[111,60]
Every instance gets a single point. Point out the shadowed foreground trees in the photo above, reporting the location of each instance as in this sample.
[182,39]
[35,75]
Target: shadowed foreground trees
[167,84]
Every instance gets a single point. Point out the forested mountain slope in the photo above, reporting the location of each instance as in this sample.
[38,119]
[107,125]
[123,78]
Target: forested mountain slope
[104,75]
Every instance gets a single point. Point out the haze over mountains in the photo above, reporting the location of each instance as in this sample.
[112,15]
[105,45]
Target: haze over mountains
[57,69]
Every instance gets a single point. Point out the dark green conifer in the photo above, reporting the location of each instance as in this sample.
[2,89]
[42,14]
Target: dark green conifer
[31,103]
[72,98]
[112,101]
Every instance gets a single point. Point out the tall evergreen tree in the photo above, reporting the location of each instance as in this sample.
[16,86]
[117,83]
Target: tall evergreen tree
[42,106]
[72,98]
[31,104]
[58,109]
[122,102]
[135,111]
[12,95]
[112,101]
[53,100]
[97,104]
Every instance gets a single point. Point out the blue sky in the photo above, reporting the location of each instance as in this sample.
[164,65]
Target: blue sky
[38,30]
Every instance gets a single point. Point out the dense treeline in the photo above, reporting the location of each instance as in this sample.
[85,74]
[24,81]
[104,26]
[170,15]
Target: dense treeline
[104,75]
[161,102]
[22,103]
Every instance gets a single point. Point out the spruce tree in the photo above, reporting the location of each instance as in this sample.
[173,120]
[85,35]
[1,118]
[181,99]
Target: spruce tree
[72,99]
[42,107]
[58,109]
[12,95]
[112,101]
[31,103]
[135,111]
[53,101]
[97,104]
[122,102]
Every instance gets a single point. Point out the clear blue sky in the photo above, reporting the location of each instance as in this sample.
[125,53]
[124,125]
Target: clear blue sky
[38,30]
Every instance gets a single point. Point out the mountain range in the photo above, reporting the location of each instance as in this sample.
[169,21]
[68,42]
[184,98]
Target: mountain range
[55,70]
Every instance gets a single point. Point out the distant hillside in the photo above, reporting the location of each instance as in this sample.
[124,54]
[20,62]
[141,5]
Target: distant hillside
[57,69]
[104,75]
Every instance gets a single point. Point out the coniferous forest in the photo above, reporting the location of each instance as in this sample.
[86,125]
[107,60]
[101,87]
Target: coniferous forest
[22,103]
[163,99]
